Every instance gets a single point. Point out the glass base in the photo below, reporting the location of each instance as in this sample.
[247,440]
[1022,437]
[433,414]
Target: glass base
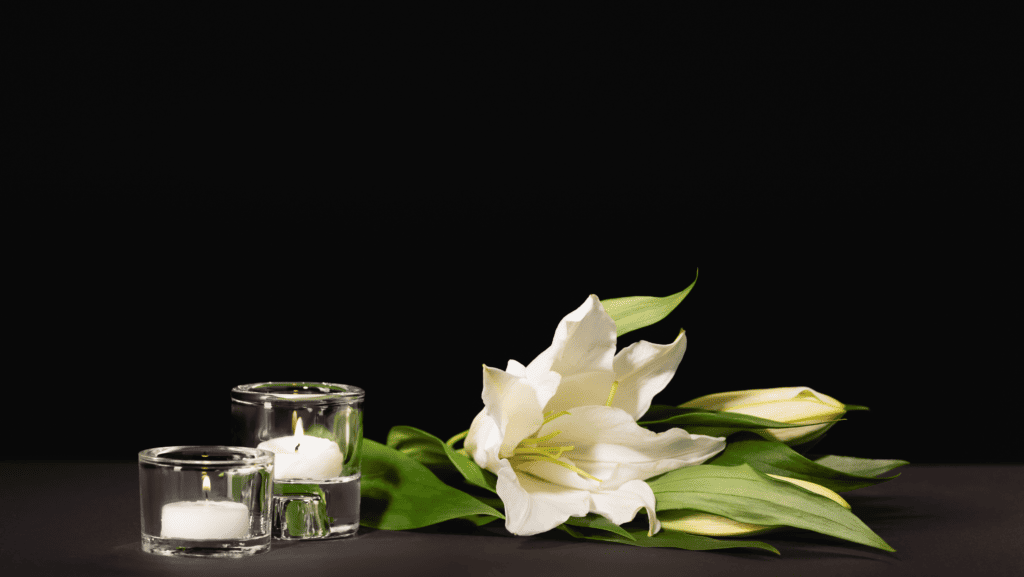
[337,532]
[233,548]
[315,510]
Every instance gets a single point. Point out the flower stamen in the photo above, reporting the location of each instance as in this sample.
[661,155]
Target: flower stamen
[552,459]
[532,440]
[551,417]
[611,394]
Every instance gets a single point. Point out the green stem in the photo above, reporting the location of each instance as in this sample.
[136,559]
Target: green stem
[451,442]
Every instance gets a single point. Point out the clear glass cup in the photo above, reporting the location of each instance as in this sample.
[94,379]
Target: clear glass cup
[316,433]
[206,501]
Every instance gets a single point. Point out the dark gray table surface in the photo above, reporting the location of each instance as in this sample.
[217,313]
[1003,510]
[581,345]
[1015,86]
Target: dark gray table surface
[75,518]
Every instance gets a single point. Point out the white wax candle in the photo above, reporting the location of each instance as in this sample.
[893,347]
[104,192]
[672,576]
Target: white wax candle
[304,457]
[204,520]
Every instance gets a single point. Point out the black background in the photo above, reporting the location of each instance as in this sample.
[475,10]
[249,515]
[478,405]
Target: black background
[204,201]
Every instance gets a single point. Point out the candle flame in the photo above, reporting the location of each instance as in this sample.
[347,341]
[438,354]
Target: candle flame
[298,427]
[206,486]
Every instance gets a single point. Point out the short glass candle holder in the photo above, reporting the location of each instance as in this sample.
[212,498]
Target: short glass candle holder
[316,433]
[206,501]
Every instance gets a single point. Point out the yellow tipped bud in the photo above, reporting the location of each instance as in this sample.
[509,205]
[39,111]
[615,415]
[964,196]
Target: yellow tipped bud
[792,405]
[814,488]
[700,523]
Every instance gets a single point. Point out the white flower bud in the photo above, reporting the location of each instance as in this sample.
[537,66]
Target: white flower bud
[785,404]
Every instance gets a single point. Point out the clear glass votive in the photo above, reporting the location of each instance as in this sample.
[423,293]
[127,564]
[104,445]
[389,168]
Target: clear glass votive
[316,433]
[206,501]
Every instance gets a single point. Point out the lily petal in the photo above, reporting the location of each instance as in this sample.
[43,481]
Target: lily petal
[608,444]
[643,370]
[484,441]
[533,506]
[557,474]
[512,402]
[582,352]
[621,505]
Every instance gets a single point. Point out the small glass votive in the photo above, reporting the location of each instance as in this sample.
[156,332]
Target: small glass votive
[206,501]
[316,433]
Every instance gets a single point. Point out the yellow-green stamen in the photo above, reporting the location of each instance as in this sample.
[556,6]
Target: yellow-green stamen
[551,416]
[539,439]
[611,394]
[551,459]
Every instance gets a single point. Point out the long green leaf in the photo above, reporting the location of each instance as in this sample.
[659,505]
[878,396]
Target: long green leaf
[861,467]
[744,494]
[400,493]
[778,459]
[429,449]
[632,313]
[666,538]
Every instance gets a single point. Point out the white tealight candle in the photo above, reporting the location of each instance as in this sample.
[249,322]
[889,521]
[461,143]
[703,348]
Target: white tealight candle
[204,519]
[304,457]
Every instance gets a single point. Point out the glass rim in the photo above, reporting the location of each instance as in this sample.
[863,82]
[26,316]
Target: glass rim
[252,456]
[324,393]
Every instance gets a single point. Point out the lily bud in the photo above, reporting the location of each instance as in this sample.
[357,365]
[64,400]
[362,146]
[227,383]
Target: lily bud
[785,404]
[700,523]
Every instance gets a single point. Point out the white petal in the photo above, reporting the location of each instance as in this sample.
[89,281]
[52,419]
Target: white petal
[533,506]
[608,444]
[643,370]
[582,352]
[621,505]
[581,389]
[484,441]
[515,368]
[512,402]
[557,474]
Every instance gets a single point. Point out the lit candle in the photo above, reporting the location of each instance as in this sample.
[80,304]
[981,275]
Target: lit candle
[204,519]
[304,457]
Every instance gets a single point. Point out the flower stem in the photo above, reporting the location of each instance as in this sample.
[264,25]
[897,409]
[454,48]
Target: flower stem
[451,442]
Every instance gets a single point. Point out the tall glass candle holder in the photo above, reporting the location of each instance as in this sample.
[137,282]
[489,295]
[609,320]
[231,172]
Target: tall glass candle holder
[316,433]
[206,501]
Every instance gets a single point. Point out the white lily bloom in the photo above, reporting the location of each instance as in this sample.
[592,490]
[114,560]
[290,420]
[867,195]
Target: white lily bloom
[561,432]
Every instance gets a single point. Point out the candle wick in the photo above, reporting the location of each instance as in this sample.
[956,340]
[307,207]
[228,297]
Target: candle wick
[297,448]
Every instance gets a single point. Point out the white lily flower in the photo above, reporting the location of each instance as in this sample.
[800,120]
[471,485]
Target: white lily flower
[561,432]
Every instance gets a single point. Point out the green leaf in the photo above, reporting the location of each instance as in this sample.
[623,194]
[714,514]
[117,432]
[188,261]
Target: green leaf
[711,422]
[400,493]
[856,408]
[431,450]
[598,522]
[632,313]
[667,538]
[421,448]
[861,467]
[746,495]
[478,520]
[778,459]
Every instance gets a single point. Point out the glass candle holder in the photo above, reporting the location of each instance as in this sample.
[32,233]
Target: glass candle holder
[316,433]
[206,501]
